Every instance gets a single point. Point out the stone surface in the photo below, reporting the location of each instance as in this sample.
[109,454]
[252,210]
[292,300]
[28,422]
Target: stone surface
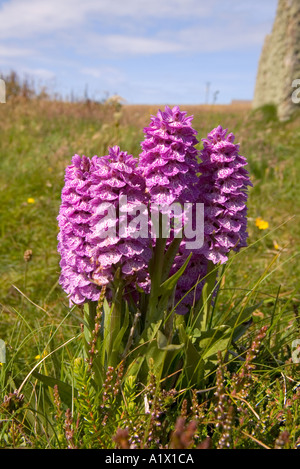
[2,91]
[279,63]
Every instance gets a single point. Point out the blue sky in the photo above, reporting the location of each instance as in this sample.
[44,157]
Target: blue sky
[147,51]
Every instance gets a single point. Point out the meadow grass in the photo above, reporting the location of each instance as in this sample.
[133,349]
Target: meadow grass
[38,139]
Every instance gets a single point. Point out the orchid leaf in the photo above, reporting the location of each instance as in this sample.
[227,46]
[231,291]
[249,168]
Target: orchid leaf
[214,340]
[162,343]
[193,360]
[117,343]
[169,257]
[168,285]
[243,315]
[66,391]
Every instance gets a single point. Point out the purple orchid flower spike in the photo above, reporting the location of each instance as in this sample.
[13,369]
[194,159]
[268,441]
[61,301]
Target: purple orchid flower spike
[223,185]
[90,243]
[73,220]
[169,158]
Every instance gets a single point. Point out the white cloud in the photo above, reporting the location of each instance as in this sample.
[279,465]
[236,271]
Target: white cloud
[112,44]
[11,51]
[22,19]
[26,18]
[108,74]
[235,35]
[40,73]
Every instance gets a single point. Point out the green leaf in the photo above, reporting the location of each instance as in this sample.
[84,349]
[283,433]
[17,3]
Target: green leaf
[107,310]
[152,347]
[146,339]
[192,365]
[169,258]
[2,351]
[244,315]
[162,343]
[214,340]
[117,344]
[240,322]
[239,331]
[169,284]
[113,332]
[202,309]
[203,317]
[66,391]
[89,310]
[201,350]
[135,366]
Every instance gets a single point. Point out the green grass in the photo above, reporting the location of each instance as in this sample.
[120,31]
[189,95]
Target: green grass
[38,139]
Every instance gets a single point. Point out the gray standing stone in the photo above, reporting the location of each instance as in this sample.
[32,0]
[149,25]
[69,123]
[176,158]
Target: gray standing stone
[279,63]
[2,91]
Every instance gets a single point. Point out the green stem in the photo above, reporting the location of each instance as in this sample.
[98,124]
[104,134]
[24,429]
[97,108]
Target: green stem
[156,278]
[115,325]
[89,321]
[201,317]
[158,262]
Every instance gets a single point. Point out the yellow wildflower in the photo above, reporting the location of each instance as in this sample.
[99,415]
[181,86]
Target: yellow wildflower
[38,357]
[30,200]
[261,224]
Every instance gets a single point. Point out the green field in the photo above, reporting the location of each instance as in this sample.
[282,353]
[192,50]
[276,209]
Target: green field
[38,139]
